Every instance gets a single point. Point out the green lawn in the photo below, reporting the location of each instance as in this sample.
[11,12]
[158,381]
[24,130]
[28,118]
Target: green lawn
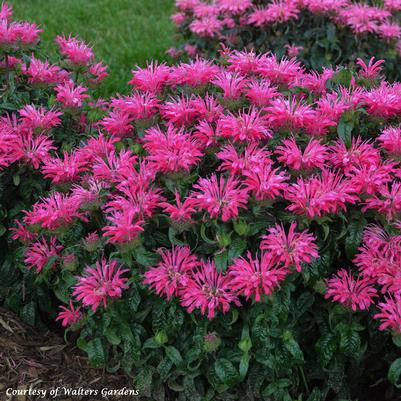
[123,32]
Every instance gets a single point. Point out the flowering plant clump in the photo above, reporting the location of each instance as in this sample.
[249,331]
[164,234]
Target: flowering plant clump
[319,32]
[197,237]
[46,110]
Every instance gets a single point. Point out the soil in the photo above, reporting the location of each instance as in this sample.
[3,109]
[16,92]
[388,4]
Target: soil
[33,361]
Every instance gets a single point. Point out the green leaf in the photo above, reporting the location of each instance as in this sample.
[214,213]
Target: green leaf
[394,373]
[174,355]
[236,249]
[96,353]
[143,381]
[28,314]
[244,365]
[221,260]
[344,131]
[350,341]
[354,236]
[226,371]
[171,236]
[112,337]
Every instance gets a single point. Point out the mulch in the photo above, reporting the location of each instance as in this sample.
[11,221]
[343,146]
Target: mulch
[30,359]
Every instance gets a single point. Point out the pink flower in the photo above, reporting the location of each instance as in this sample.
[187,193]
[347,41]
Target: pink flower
[97,73]
[291,249]
[265,183]
[232,84]
[138,105]
[172,274]
[25,33]
[171,151]
[314,155]
[387,202]
[69,316]
[251,158]
[363,18]
[41,252]
[389,30]
[360,154]
[260,93]
[293,50]
[288,113]
[182,212]
[390,139]
[180,111]
[208,291]
[55,211]
[283,72]
[206,27]
[390,313]
[372,70]
[125,225]
[194,74]
[38,118]
[207,108]
[66,169]
[41,72]
[384,101]
[325,6]
[234,6]
[246,126]
[151,79]
[352,293]
[244,62]
[319,195]
[33,150]
[70,96]
[100,283]
[118,123]
[255,277]
[76,51]
[220,197]
[21,232]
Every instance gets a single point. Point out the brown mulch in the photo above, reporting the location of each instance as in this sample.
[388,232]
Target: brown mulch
[37,360]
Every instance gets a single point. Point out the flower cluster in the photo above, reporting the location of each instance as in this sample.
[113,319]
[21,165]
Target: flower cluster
[201,150]
[291,26]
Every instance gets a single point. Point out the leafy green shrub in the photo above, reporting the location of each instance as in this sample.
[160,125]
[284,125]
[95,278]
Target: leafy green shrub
[319,32]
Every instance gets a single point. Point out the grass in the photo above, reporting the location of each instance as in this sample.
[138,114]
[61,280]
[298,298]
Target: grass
[123,32]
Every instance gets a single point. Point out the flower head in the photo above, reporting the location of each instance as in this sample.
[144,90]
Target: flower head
[100,283]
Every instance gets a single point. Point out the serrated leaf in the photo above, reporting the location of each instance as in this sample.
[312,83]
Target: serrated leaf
[96,353]
[226,371]
[354,236]
[394,373]
[174,355]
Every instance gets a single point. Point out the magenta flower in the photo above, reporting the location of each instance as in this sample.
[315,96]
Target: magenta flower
[66,169]
[38,118]
[313,156]
[390,313]
[100,283]
[69,316]
[265,183]
[232,84]
[171,151]
[352,293]
[292,248]
[194,74]
[251,158]
[70,96]
[55,211]
[372,70]
[255,277]
[246,126]
[138,105]
[42,73]
[76,51]
[151,79]
[387,202]
[208,291]
[172,274]
[181,212]
[39,253]
[206,27]
[390,140]
[220,197]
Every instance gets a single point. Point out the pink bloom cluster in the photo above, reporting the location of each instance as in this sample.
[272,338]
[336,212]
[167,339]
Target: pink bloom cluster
[378,262]
[200,146]
[225,20]
[199,285]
